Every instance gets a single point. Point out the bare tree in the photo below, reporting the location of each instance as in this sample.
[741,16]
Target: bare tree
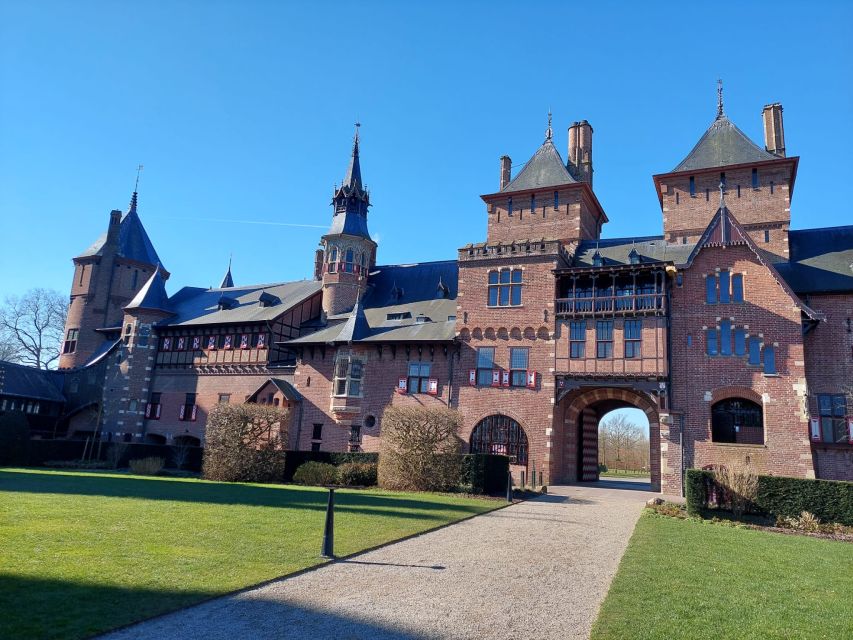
[8,350]
[32,326]
[623,439]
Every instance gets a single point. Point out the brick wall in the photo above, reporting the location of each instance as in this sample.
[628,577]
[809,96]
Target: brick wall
[698,379]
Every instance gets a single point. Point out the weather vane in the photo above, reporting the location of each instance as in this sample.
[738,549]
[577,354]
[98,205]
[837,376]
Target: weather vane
[549,132]
[138,171]
[719,99]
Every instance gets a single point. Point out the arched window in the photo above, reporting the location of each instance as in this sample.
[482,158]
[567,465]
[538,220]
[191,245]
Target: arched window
[349,261]
[500,435]
[737,420]
[333,259]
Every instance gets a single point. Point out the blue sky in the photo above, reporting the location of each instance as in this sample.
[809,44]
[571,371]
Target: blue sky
[242,113]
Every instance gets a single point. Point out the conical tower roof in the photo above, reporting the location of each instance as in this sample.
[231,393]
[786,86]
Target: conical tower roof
[227,280]
[152,296]
[133,241]
[544,169]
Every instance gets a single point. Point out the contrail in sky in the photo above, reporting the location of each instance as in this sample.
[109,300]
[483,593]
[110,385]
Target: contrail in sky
[262,222]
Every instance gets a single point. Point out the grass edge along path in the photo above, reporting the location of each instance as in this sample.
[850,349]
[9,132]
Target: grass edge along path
[697,579]
[87,552]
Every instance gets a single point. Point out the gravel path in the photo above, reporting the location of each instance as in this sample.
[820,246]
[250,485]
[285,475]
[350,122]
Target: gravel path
[539,569]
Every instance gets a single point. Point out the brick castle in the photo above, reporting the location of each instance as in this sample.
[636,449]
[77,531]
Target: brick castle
[731,331]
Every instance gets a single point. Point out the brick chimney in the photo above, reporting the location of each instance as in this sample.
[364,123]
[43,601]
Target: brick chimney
[580,151]
[506,170]
[774,130]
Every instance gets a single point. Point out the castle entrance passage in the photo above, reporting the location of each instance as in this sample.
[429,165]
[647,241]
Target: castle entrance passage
[582,410]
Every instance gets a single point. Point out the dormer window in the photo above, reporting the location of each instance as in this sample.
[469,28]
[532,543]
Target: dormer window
[268,300]
[597,260]
[401,315]
[634,257]
[422,319]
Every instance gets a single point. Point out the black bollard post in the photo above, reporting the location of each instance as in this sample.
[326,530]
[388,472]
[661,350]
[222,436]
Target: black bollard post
[509,486]
[329,529]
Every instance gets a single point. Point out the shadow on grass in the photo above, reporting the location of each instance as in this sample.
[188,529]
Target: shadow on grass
[70,483]
[53,609]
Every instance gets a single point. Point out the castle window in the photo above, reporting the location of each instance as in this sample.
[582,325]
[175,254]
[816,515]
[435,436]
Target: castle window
[166,344]
[689,340]
[500,435]
[519,358]
[187,412]
[754,351]
[418,379]
[710,289]
[509,207]
[349,261]
[70,345]
[737,287]
[766,236]
[317,431]
[755,178]
[633,338]
[740,342]
[723,178]
[485,364]
[505,288]
[556,200]
[532,203]
[152,409]
[833,418]
[724,286]
[224,398]
[738,191]
[771,186]
[769,360]
[348,376]
[577,339]
[82,271]
[333,260]
[677,198]
[726,338]
[707,195]
[135,279]
[692,186]
[737,420]
[315,447]
[227,342]
[711,339]
[604,339]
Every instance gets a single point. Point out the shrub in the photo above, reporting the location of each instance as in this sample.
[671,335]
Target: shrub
[316,474]
[245,443]
[741,484]
[602,468]
[358,474]
[14,438]
[78,464]
[147,466]
[116,453]
[420,448]
[829,500]
[696,490]
[485,473]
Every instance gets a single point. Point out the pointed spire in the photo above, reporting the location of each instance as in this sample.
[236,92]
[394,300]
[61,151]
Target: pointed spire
[228,280]
[353,175]
[720,113]
[152,296]
[133,202]
[549,132]
[133,198]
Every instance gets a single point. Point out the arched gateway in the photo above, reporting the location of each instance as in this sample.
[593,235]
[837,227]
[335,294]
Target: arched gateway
[500,434]
[582,409]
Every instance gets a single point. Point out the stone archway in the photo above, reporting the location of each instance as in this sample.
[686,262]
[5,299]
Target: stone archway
[582,410]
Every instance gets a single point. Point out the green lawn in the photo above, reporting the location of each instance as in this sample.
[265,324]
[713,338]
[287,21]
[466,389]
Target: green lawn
[81,553]
[619,473]
[689,579]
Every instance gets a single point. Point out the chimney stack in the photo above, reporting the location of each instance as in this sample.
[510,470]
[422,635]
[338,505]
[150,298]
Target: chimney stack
[506,170]
[580,151]
[774,130]
[318,264]
[115,225]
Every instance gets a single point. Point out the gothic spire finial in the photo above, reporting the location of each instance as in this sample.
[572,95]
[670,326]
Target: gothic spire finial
[549,132]
[720,113]
[133,198]
[228,279]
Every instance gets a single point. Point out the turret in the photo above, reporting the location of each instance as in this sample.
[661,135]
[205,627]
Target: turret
[349,253]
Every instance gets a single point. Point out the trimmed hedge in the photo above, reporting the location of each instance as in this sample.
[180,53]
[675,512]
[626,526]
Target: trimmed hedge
[486,473]
[295,459]
[42,451]
[830,500]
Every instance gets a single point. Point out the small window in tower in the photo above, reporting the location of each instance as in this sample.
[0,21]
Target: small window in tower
[82,271]
[766,236]
[769,359]
[349,261]
[556,200]
[723,178]
[771,186]
[677,198]
[692,186]
[737,287]
[532,203]
[755,178]
[707,195]
[70,345]
[135,279]
[509,207]
[333,260]
[754,351]
[738,191]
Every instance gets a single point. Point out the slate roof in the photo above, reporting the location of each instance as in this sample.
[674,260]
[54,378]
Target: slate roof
[426,290]
[228,280]
[615,251]
[101,352]
[287,389]
[351,201]
[28,382]
[723,144]
[820,260]
[133,240]
[544,169]
[152,296]
[195,306]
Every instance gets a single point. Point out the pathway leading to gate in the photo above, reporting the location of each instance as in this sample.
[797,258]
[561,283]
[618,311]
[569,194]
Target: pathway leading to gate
[539,569]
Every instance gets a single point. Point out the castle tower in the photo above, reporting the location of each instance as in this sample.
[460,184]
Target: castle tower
[349,253]
[106,277]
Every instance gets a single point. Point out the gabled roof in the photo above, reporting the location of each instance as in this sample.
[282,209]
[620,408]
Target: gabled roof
[28,382]
[193,306]
[227,280]
[403,303]
[152,296]
[723,144]
[544,169]
[617,251]
[133,241]
[820,260]
[288,390]
[725,230]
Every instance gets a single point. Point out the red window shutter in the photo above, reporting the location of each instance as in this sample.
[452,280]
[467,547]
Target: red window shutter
[147,409]
[193,414]
[496,377]
[182,412]
[815,424]
[531,379]
[472,377]
[504,378]
[402,385]
[157,413]
[433,387]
